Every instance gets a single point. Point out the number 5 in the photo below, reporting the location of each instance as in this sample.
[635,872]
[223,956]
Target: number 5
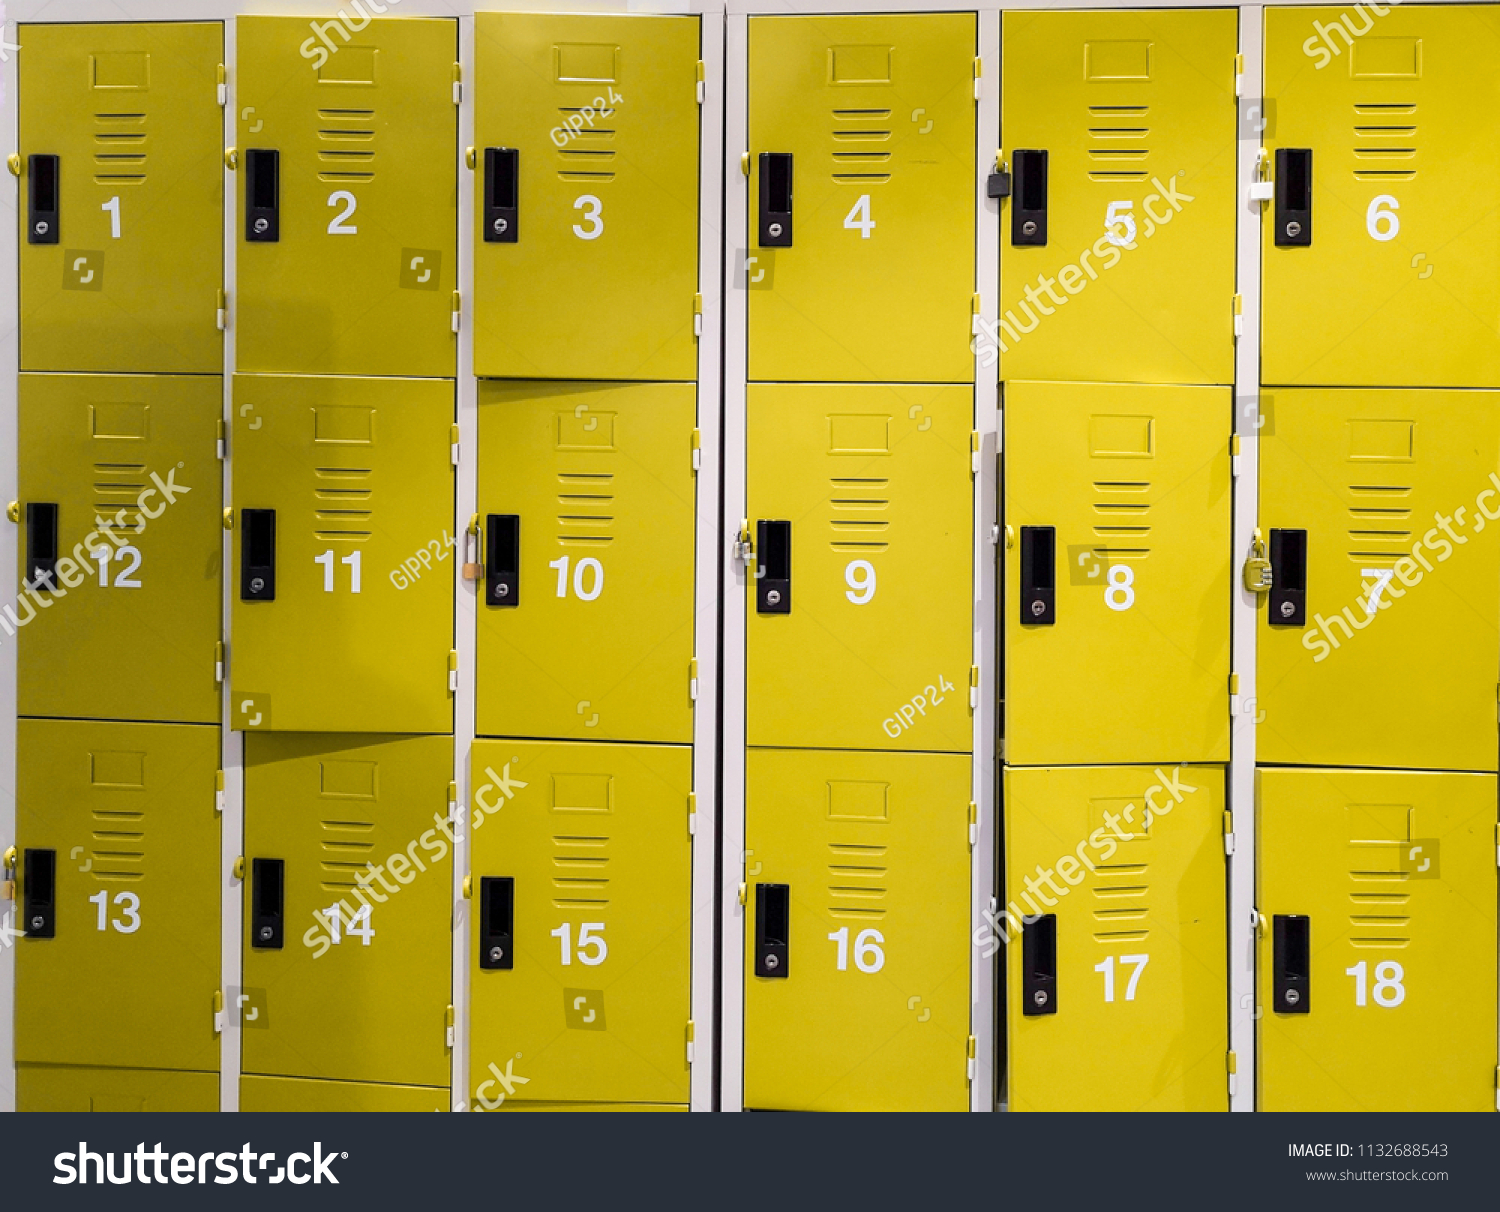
[1117,215]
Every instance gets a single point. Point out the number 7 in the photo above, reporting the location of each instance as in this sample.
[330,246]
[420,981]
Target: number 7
[1140,962]
[1382,579]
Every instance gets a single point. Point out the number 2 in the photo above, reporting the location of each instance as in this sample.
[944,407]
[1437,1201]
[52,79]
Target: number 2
[351,204]
[859,219]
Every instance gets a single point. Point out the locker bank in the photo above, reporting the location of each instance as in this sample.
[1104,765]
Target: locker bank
[744,557]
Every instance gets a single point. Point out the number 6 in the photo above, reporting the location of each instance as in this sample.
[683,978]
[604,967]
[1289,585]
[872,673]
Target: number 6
[1380,223]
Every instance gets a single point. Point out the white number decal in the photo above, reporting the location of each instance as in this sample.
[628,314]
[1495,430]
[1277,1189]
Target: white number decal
[1382,579]
[124,578]
[860,577]
[859,219]
[586,939]
[128,901]
[1389,991]
[334,917]
[1383,224]
[1108,969]
[1118,215]
[595,578]
[1120,594]
[593,215]
[351,204]
[113,206]
[326,559]
[869,957]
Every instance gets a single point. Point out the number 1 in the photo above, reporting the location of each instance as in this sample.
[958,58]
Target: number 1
[113,206]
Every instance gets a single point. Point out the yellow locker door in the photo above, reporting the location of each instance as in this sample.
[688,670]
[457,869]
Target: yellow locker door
[120,490]
[68,1088]
[582,882]
[588,489]
[338,482]
[861,513]
[1117,573]
[1117,241]
[1378,249]
[860,248]
[118,892]
[348,195]
[1116,999]
[334,1098]
[122,198]
[1376,956]
[1378,643]
[857,944]
[586,196]
[348,883]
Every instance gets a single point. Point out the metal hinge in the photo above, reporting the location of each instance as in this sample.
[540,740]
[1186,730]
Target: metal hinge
[697,315]
[697,449]
[1239,315]
[222,318]
[453,670]
[223,85]
[692,813]
[1234,456]
[973,824]
[458,86]
[1239,74]
[220,433]
[221,655]
[976,308]
[978,73]
[1234,692]
[1262,189]
[693,679]
[458,310]
[218,1012]
[1232,1065]
[453,444]
[218,791]
[1228,832]
[702,81]
[744,545]
[974,452]
[449,1022]
[691,1032]
[971,1051]
[973,687]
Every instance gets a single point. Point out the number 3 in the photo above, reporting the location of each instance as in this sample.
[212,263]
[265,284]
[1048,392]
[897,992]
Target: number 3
[593,215]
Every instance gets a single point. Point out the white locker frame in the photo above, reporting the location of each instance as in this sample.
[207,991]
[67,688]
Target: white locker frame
[702,1048]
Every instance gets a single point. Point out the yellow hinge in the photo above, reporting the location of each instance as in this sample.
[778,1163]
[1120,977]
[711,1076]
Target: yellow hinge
[1239,305]
[697,305]
[693,680]
[691,1031]
[229,519]
[219,661]
[973,1048]
[974,304]
[1234,445]
[218,1001]
[221,317]
[978,68]
[218,780]
[1228,822]
[453,435]
[223,82]
[458,85]
[973,823]
[973,677]
[697,315]
[1231,1062]
[745,163]
[697,449]
[453,793]
[702,81]
[219,434]
[448,1017]
[692,813]
[458,307]
[1234,683]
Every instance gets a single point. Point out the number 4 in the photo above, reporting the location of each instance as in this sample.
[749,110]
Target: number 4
[859,219]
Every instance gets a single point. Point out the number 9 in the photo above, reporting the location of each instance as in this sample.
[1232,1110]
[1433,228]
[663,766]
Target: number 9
[860,577]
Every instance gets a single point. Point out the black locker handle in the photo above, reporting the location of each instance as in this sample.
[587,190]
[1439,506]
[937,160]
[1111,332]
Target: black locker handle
[39,893]
[1039,575]
[1028,198]
[1039,965]
[44,199]
[258,555]
[773,568]
[262,196]
[502,559]
[1287,601]
[773,929]
[41,544]
[775,199]
[267,902]
[502,194]
[1293,197]
[497,922]
[1291,963]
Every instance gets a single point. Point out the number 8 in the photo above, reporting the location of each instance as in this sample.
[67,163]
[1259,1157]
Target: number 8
[1120,595]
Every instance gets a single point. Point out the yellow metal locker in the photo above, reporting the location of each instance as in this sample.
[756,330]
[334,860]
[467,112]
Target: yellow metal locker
[857,941]
[1117,573]
[69,1088]
[337,482]
[1376,949]
[347,195]
[860,610]
[1116,997]
[1380,636]
[1377,250]
[118,892]
[860,249]
[587,507]
[586,195]
[120,496]
[122,209]
[582,915]
[348,888]
[1119,132]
